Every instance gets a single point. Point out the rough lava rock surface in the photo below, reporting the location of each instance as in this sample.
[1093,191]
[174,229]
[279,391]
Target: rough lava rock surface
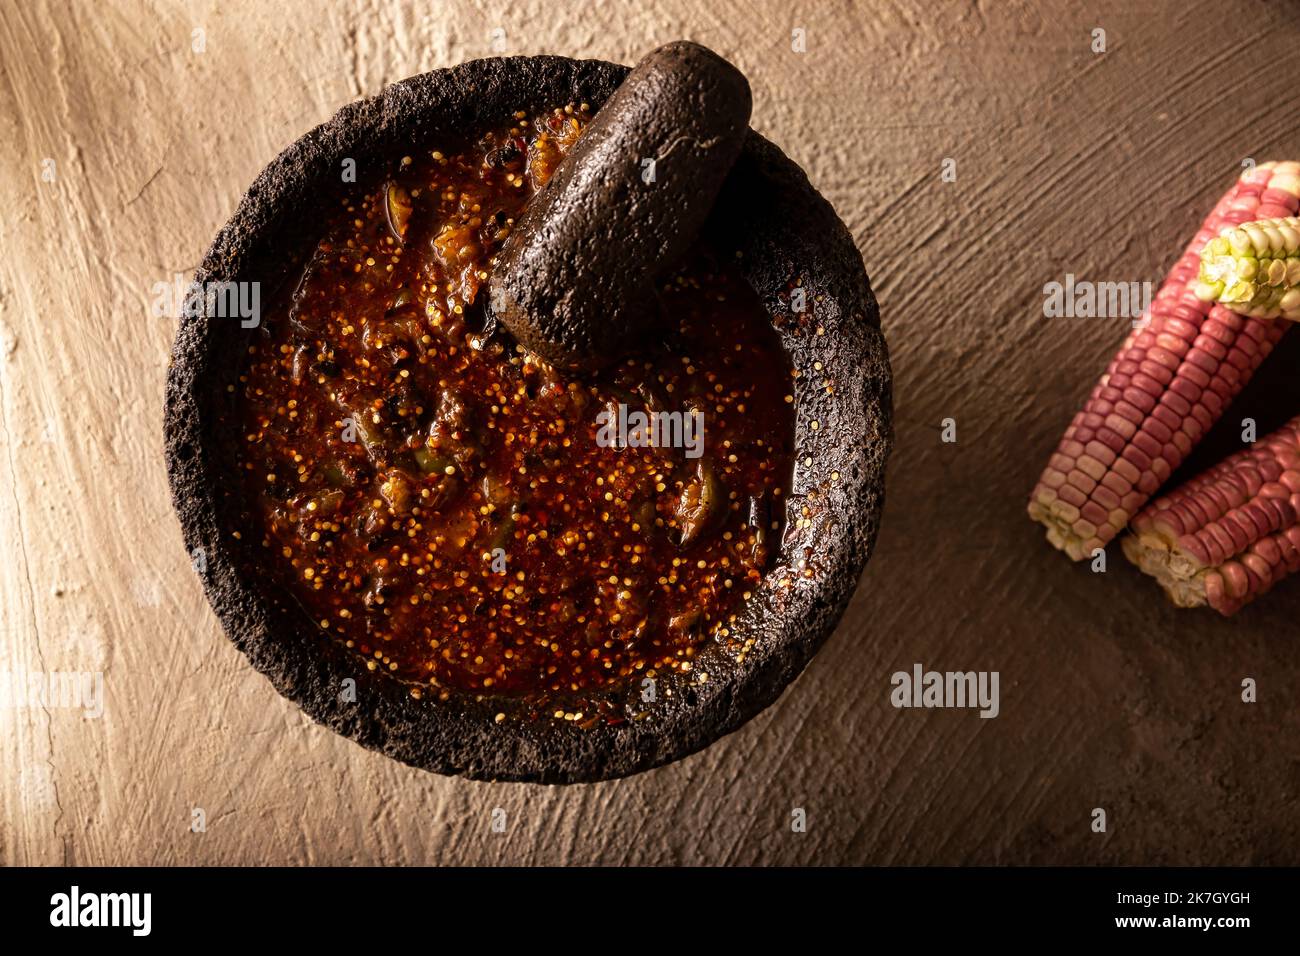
[575,281]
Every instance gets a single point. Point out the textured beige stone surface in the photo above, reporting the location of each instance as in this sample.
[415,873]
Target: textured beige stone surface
[1067,161]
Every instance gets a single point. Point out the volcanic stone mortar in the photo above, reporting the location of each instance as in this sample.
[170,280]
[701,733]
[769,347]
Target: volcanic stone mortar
[792,247]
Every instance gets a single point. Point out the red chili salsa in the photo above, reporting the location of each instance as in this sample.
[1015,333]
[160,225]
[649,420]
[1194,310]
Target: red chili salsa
[438,499]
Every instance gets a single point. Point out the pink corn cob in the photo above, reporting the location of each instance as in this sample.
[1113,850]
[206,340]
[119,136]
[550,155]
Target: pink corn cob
[1167,386]
[1230,534]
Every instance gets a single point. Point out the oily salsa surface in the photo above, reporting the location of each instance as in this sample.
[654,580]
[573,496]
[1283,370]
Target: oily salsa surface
[437,498]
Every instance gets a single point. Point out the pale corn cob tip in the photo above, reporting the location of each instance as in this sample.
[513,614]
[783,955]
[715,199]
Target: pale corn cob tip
[1230,534]
[1168,385]
[1254,269]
